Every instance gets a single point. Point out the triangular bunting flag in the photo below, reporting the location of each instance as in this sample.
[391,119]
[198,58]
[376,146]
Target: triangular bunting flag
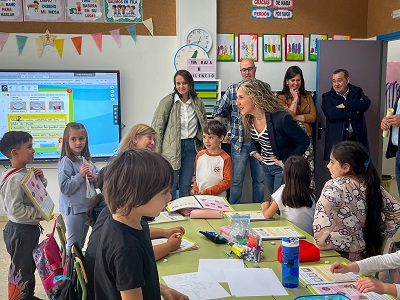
[132,31]
[59,43]
[98,39]
[3,39]
[39,46]
[21,42]
[116,36]
[149,25]
[77,41]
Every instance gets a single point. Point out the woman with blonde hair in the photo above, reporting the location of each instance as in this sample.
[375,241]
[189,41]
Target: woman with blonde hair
[275,134]
[139,136]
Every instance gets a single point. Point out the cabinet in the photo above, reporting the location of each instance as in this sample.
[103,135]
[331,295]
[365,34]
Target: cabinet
[210,92]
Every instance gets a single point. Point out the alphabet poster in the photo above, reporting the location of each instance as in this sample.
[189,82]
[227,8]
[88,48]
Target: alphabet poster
[44,10]
[85,10]
[123,11]
[11,10]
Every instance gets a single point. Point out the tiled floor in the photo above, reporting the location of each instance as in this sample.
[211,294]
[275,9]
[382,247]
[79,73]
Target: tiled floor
[5,259]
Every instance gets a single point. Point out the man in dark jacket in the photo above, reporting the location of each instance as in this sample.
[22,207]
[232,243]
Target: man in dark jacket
[344,106]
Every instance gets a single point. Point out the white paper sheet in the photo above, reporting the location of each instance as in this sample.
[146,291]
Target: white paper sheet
[213,269]
[187,284]
[254,282]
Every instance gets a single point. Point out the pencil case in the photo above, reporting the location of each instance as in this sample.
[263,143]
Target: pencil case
[323,297]
[206,214]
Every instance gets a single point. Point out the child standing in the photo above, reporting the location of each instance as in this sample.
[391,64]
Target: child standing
[213,166]
[137,183]
[22,231]
[354,213]
[295,199]
[73,169]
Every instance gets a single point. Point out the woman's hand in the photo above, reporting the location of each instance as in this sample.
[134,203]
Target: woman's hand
[258,156]
[278,162]
[295,94]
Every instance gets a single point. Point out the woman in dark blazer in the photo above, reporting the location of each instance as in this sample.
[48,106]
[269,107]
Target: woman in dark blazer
[275,134]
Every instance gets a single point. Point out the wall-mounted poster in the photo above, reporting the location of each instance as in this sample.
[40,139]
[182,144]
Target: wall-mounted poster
[294,47]
[226,47]
[247,46]
[44,10]
[313,44]
[123,11]
[11,10]
[272,47]
[85,11]
[343,37]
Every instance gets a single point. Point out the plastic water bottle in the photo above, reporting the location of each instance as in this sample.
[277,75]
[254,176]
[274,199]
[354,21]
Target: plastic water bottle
[290,262]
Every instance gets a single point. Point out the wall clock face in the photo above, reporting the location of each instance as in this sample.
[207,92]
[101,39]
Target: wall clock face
[186,52]
[199,37]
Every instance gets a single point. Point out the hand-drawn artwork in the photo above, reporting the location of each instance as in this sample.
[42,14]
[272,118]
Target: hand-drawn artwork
[344,37]
[313,45]
[294,47]
[128,11]
[85,11]
[226,47]
[11,10]
[36,10]
[248,46]
[272,47]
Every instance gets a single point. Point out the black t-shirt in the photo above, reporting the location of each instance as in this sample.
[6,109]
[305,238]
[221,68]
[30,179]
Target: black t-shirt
[125,260]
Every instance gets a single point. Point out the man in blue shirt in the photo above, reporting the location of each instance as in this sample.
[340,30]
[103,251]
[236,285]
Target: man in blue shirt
[240,144]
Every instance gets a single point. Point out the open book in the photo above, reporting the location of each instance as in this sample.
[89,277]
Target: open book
[186,244]
[165,217]
[277,232]
[320,280]
[200,201]
[254,215]
[36,191]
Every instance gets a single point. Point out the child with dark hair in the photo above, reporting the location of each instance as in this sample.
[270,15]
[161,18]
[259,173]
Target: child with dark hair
[354,212]
[295,199]
[22,231]
[137,183]
[213,166]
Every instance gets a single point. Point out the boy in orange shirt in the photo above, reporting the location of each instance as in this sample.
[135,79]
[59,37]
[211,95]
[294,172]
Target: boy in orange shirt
[213,166]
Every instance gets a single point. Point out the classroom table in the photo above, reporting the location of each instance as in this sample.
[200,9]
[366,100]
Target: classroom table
[188,261]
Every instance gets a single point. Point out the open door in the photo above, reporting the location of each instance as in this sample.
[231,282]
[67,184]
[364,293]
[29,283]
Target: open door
[366,63]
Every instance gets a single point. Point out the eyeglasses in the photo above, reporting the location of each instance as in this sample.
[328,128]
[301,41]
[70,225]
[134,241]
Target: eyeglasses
[249,69]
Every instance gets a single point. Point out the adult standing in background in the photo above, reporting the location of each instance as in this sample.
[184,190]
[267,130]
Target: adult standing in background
[275,134]
[297,101]
[178,122]
[392,123]
[344,107]
[240,144]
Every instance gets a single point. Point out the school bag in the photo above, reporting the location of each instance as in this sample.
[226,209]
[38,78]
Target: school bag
[48,260]
[71,287]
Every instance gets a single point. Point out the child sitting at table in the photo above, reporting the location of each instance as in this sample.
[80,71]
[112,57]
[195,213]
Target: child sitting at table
[354,212]
[295,199]
[137,183]
[213,166]
[372,265]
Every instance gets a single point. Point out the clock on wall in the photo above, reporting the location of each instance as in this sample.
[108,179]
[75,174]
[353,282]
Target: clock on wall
[201,37]
[188,51]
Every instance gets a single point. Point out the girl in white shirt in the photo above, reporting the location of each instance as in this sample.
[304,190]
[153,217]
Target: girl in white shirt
[294,199]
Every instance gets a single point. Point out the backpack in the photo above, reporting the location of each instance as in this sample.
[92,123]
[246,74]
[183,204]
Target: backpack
[70,288]
[48,261]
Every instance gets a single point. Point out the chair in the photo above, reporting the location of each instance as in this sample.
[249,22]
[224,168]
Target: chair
[61,231]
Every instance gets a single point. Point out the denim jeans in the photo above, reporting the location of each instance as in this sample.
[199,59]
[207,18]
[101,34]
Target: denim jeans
[184,176]
[398,169]
[239,161]
[273,177]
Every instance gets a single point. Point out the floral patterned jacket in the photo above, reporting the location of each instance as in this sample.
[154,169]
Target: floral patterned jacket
[340,215]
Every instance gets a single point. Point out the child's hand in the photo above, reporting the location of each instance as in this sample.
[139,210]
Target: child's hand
[38,172]
[338,267]
[174,241]
[91,177]
[171,231]
[265,205]
[84,170]
[368,284]
[194,192]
